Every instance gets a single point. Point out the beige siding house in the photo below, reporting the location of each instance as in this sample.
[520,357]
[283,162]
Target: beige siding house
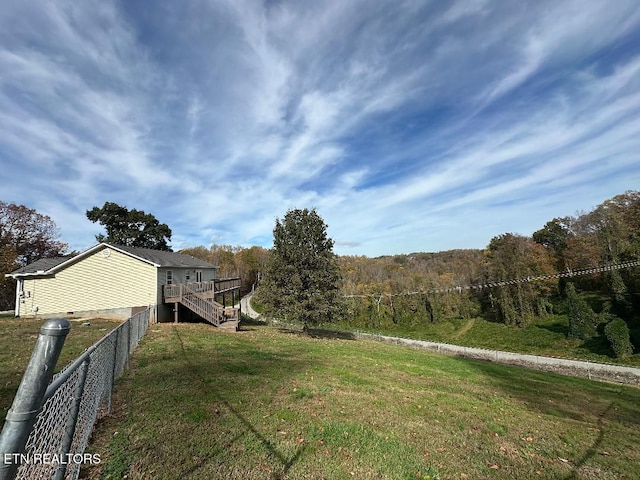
[106,279]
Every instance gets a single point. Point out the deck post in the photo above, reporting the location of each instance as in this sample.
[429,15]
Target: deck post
[175,312]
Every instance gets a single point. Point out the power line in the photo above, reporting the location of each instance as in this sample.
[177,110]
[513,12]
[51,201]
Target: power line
[535,278]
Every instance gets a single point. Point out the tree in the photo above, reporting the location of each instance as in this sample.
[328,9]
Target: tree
[617,333]
[133,228]
[511,256]
[554,236]
[234,261]
[8,263]
[582,319]
[251,262]
[302,277]
[25,236]
[31,234]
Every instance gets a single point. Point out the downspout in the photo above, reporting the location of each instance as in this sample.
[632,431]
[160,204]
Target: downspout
[19,294]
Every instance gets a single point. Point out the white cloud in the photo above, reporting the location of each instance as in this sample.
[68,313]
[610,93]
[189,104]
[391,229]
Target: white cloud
[410,126]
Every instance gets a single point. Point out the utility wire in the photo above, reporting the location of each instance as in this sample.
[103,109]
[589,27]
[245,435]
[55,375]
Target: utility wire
[535,278]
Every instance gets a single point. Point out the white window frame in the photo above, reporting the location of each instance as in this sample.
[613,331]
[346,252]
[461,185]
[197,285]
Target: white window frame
[169,274]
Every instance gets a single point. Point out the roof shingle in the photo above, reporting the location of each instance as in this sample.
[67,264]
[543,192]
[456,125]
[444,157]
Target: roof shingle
[164,259]
[41,265]
[157,257]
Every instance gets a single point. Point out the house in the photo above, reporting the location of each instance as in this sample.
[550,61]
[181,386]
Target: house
[116,280]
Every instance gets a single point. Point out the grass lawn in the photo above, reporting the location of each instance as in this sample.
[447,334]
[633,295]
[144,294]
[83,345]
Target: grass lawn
[548,336]
[265,403]
[17,339]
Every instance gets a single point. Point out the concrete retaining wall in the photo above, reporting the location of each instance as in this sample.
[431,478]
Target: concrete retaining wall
[576,368]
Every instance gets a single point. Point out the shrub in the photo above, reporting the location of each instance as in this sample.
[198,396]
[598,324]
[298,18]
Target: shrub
[617,333]
[582,319]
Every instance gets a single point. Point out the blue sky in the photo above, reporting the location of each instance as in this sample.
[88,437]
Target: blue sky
[410,126]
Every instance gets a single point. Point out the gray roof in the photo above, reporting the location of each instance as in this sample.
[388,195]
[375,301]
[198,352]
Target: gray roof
[158,258]
[164,259]
[41,265]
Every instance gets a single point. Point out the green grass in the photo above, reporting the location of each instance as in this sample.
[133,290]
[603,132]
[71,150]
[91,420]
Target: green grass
[257,307]
[17,339]
[548,336]
[265,403]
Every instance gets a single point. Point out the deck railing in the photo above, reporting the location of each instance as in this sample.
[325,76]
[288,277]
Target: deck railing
[203,289]
[207,309]
[200,298]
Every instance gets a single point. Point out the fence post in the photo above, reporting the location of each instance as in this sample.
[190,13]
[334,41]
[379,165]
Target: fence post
[114,370]
[28,400]
[72,421]
[126,363]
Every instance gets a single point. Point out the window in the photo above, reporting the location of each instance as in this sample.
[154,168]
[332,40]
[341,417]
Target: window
[187,277]
[169,277]
[198,276]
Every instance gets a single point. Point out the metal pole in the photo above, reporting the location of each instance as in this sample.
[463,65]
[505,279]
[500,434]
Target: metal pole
[29,397]
[114,370]
[72,421]
[126,363]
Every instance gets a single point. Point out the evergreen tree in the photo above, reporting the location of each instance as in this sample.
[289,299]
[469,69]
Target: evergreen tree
[582,319]
[617,333]
[302,278]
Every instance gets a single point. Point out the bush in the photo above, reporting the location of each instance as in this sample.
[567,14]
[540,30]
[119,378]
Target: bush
[617,333]
[582,320]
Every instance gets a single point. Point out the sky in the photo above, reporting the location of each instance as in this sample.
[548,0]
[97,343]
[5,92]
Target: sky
[411,126]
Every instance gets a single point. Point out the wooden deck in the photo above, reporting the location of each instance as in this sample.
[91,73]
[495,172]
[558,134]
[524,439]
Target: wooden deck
[204,299]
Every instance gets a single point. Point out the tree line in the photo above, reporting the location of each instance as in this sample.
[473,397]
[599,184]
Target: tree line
[608,234]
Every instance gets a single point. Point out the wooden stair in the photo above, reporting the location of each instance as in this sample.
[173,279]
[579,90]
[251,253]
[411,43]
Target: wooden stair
[202,304]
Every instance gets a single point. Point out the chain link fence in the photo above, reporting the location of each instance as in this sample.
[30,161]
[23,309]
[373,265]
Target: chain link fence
[76,398]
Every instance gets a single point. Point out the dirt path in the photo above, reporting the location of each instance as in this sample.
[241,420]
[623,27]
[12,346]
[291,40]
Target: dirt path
[467,326]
